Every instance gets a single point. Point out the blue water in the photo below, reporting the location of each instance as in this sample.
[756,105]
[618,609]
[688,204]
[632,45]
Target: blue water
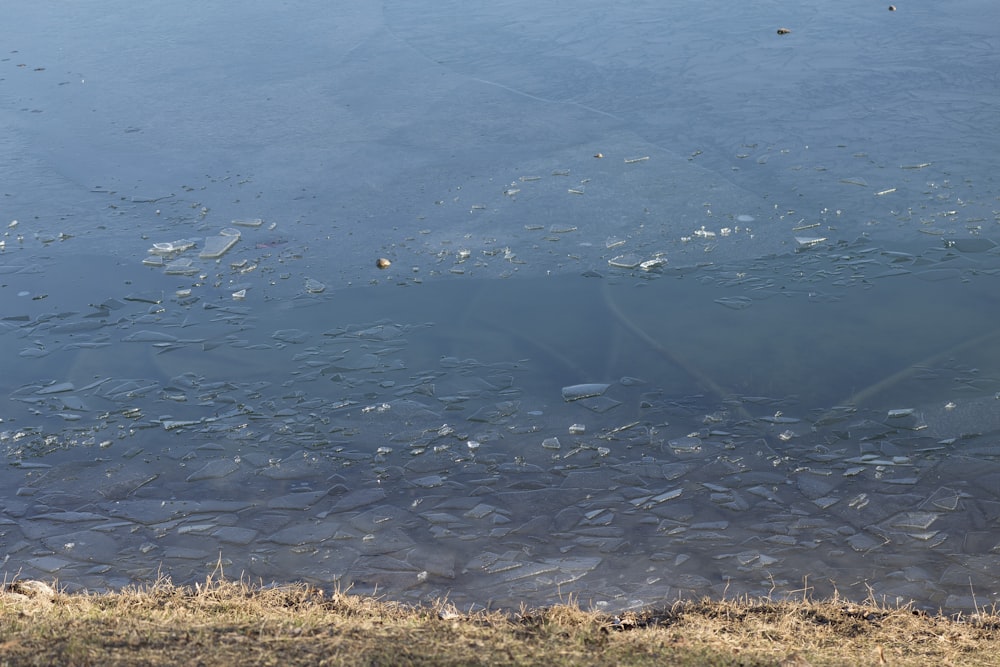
[485,151]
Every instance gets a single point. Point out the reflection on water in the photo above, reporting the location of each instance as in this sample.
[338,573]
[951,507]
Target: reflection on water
[825,419]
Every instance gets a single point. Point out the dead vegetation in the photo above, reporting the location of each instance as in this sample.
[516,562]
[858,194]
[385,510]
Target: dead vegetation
[224,622]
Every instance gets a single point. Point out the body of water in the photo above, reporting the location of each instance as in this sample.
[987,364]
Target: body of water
[673,304]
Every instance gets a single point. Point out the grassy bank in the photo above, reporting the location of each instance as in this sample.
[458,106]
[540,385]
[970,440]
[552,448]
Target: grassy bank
[224,622]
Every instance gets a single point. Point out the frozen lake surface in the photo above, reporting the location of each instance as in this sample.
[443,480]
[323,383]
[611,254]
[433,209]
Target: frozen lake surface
[676,305]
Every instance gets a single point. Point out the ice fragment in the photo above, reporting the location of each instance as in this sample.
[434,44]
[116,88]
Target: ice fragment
[578,391]
[217,246]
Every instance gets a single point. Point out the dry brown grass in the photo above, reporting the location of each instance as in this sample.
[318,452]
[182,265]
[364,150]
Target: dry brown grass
[223,622]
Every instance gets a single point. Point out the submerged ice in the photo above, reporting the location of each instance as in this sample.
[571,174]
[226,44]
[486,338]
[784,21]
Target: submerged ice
[457,450]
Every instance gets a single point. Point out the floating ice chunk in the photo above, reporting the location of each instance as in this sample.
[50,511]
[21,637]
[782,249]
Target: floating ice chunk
[653,264]
[687,445]
[870,459]
[254,222]
[441,518]
[730,500]
[70,516]
[551,443]
[897,414]
[945,499]
[214,470]
[666,495]
[171,247]
[357,361]
[50,564]
[577,391]
[809,241]
[629,261]
[180,267]
[862,542]
[314,286]
[172,424]
[735,302]
[309,533]
[599,404]
[291,335]
[195,528]
[146,336]
[358,498]
[480,511]
[56,388]
[577,429]
[914,520]
[73,403]
[235,535]
[217,246]
[429,482]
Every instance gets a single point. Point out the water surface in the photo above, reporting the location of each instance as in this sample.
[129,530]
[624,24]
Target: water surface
[677,305]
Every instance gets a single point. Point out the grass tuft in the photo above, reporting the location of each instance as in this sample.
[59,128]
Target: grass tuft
[234,622]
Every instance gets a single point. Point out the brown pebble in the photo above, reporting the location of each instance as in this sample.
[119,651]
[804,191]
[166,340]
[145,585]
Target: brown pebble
[783,31]
[383,263]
